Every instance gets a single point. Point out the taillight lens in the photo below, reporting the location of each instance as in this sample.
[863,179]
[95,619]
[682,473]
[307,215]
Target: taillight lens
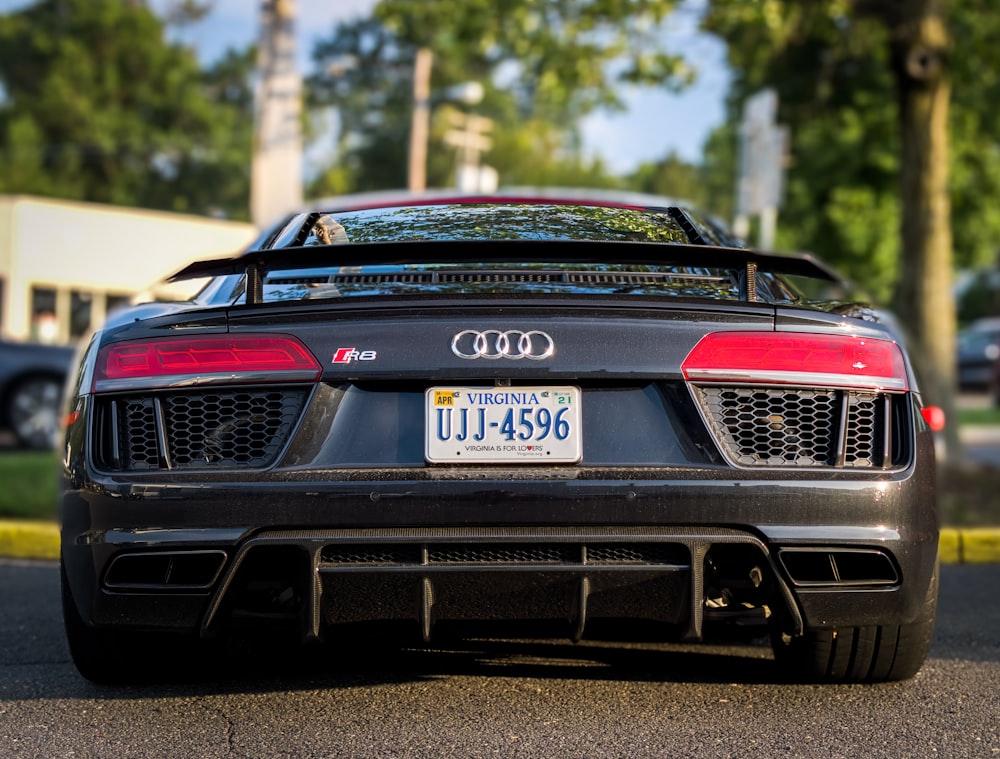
[934,416]
[167,361]
[797,358]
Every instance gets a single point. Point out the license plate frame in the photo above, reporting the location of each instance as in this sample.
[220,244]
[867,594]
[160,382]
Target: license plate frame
[503,425]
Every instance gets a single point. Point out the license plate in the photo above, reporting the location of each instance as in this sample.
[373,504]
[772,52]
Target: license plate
[503,425]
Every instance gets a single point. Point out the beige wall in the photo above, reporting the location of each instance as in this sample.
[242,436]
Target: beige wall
[6,213]
[87,252]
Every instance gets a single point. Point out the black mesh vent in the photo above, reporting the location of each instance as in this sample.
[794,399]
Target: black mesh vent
[501,276]
[504,553]
[407,278]
[863,428]
[139,434]
[371,555]
[242,429]
[514,554]
[493,277]
[780,427]
[640,553]
[205,428]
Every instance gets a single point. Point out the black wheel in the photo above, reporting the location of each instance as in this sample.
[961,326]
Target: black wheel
[860,654]
[114,656]
[33,411]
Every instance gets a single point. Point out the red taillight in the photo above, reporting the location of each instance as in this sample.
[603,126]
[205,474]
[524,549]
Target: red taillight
[934,416]
[797,358]
[212,358]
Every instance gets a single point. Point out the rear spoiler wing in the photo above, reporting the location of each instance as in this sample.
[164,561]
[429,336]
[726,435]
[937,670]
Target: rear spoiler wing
[255,264]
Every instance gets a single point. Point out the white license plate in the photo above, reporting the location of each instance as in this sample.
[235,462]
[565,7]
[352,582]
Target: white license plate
[503,425]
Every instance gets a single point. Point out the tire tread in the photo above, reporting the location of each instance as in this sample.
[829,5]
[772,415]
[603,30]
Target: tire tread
[874,653]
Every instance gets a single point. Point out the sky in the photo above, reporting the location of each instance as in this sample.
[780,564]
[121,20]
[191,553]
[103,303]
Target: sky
[655,123]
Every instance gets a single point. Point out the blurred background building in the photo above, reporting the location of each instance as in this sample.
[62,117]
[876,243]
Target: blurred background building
[65,265]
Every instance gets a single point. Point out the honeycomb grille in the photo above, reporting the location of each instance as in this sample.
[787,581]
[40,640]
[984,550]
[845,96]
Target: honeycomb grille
[374,555]
[795,427]
[139,434]
[510,553]
[507,554]
[227,429]
[199,429]
[862,421]
[641,553]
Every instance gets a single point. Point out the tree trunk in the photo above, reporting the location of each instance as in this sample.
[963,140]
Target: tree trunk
[925,299]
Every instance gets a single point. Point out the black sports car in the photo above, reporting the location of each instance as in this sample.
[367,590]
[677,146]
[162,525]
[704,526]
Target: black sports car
[505,416]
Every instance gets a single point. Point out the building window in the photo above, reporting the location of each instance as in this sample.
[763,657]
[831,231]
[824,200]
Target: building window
[79,313]
[114,302]
[44,324]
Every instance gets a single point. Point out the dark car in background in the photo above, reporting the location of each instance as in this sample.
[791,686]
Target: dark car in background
[517,416]
[32,378]
[978,351]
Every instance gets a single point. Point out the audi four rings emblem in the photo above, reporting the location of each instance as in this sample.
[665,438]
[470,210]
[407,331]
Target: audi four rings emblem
[494,343]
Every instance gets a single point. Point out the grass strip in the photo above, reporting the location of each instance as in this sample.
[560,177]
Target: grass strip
[29,484]
[979,417]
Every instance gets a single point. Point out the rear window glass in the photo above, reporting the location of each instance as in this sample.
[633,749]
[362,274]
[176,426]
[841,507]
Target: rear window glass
[495,222]
[486,223]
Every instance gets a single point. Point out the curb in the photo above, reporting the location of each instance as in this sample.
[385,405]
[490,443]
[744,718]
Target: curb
[29,540]
[971,545]
[40,540]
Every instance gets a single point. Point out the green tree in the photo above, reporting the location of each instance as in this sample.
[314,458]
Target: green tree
[865,87]
[544,65]
[836,94]
[718,171]
[99,106]
[559,50]
[671,177]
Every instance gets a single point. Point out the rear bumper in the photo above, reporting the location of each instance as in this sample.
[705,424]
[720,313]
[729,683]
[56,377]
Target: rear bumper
[831,551]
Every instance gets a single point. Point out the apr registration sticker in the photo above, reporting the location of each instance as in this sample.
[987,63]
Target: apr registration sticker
[444,398]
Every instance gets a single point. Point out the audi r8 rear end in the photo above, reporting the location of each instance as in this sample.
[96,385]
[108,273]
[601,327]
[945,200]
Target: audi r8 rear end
[477,415]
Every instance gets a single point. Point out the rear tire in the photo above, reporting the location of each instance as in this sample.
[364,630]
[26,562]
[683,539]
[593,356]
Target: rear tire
[115,656]
[870,654]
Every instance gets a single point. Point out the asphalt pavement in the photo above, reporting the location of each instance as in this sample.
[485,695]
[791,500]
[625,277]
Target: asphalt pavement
[496,698]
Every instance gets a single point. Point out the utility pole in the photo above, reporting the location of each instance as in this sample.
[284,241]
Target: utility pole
[276,173]
[421,120]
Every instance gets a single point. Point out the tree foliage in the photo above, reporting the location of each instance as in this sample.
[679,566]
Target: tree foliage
[544,65]
[559,48]
[830,64]
[99,106]
[836,94]
[884,166]
[975,132]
